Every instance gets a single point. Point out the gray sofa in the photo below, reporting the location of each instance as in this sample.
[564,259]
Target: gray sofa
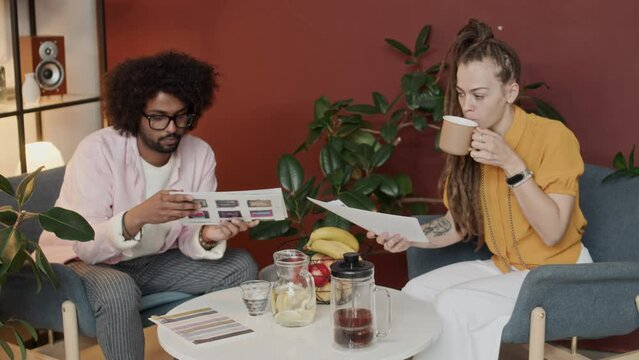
[583,300]
[18,297]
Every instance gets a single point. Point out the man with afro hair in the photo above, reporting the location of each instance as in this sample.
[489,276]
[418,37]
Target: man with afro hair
[123,179]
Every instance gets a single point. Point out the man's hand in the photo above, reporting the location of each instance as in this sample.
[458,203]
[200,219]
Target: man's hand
[226,229]
[160,208]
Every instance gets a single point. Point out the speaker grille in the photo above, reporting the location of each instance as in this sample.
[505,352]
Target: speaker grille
[49,74]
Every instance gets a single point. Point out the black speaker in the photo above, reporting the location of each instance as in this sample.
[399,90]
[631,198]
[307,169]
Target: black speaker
[44,56]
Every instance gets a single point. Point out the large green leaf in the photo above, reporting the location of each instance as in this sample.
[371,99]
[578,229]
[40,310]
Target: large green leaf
[389,131]
[422,38]
[336,143]
[389,186]
[43,265]
[36,273]
[347,129]
[353,119]
[413,82]
[380,102]
[356,200]
[366,185]
[340,104]
[363,153]
[5,186]
[397,115]
[330,160]
[311,138]
[363,137]
[7,350]
[399,46]
[619,162]
[322,106]
[535,85]
[615,175]
[363,109]
[270,229]
[26,325]
[382,155]
[405,184]
[26,187]
[66,224]
[421,51]
[7,216]
[419,122]
[20,343]
[435,68]
[631,158]
[9,244]
[335,220]
[290,172]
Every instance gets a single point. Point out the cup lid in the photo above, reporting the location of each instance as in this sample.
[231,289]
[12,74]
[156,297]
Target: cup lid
[460,120]
[352,267]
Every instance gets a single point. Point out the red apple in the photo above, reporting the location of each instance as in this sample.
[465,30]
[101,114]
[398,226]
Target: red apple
[321,274]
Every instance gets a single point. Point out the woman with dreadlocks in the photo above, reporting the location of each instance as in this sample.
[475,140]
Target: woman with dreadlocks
[517,192]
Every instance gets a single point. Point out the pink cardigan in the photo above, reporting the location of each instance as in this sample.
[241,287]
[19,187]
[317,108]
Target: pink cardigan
[104,179]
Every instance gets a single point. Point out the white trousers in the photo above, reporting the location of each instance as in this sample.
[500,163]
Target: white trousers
[474,301]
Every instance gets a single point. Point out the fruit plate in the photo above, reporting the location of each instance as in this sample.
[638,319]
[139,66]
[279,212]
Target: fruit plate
[320,269]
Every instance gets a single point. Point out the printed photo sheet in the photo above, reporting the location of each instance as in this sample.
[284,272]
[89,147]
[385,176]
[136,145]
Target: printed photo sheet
[264,204]
[406,226]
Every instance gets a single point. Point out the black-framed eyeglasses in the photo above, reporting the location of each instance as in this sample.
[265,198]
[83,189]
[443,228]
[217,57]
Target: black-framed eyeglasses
[161,122]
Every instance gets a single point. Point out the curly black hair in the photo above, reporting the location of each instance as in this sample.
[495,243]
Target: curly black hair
[132,83]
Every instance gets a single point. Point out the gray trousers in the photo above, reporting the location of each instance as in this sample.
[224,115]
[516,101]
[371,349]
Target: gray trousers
[114,291]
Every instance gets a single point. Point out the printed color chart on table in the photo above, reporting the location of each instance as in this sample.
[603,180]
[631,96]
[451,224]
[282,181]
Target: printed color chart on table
[202,325]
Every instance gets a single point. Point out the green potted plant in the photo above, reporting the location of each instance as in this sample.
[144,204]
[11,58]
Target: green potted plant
[623,167]
[357,139]
[16,249]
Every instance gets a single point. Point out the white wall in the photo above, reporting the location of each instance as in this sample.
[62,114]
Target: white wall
[76,21]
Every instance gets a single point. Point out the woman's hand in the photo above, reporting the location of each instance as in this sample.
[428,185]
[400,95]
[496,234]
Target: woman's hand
[226,229]
[491,149]
[393,244]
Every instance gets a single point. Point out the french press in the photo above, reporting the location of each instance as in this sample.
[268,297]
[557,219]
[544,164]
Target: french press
[353,318]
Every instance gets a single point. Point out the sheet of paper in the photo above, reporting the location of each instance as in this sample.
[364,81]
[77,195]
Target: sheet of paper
[264,204]
[378,223]
[201,325]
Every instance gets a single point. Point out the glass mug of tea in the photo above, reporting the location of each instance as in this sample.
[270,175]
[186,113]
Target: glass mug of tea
[354,322]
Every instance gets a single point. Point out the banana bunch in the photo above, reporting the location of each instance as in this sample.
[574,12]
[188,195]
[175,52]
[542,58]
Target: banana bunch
[332,241]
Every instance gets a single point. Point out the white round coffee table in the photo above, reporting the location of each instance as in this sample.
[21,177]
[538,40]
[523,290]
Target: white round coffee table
[415,326]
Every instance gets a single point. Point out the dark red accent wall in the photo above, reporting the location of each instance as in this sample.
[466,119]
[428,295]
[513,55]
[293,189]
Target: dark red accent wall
[276,57]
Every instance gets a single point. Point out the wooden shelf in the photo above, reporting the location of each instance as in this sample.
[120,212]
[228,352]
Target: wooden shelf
[48,103]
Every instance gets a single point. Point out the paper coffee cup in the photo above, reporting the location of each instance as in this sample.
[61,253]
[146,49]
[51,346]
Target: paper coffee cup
[456,135]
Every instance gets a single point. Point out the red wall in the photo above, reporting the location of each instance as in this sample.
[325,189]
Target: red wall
[276,57]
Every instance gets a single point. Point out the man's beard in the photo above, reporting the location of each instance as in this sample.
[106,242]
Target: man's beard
[157,145]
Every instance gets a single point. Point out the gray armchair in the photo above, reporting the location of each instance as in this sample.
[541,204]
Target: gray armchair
[65,309]
[569,301]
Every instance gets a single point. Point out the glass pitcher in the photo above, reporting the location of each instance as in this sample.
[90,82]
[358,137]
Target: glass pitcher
[353,319]
[293,296]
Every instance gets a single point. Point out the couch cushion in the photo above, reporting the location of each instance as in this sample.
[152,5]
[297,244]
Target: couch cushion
[612,211]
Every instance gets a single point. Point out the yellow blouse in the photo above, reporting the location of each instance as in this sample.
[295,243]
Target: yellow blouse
[551,151]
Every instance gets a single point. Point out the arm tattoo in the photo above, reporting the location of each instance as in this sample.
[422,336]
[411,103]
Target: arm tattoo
[437,227]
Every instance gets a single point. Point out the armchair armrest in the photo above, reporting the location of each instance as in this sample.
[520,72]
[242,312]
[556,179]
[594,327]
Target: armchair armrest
[18,298]
[585,300]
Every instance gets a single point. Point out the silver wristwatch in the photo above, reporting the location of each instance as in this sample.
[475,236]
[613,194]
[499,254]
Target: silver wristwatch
[519,178]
